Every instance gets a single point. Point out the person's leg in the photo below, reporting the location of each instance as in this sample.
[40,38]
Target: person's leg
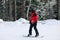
[35,28]
[30,30]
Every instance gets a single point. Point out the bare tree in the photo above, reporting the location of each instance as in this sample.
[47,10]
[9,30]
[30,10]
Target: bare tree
[28,8]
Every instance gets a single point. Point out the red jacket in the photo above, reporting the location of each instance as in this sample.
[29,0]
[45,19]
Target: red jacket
[33,18]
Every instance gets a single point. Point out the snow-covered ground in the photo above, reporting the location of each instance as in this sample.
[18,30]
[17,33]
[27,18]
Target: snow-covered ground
[48,30]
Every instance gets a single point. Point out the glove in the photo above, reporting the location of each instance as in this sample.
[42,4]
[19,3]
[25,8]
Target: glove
[32,22]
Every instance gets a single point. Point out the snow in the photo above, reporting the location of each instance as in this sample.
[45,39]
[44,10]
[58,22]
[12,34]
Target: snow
[48,29]
[22,20]
[1,20]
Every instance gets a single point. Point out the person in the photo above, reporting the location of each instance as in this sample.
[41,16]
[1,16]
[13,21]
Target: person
[33,23]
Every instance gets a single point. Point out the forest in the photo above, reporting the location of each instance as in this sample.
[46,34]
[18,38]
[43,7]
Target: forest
[11,10]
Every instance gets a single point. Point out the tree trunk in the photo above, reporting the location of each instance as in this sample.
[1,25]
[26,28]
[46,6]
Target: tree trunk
[15,10]
[22,9]
[10,10]
[58,4]
[28,8]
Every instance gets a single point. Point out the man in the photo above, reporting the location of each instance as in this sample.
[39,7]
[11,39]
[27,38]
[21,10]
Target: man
[33,23]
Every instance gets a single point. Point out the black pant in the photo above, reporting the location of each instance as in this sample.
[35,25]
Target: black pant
[31,26]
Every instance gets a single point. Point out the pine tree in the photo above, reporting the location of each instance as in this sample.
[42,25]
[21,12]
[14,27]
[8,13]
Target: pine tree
[34,5]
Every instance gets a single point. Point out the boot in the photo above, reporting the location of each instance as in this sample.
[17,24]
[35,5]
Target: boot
[36,35]
[29,35]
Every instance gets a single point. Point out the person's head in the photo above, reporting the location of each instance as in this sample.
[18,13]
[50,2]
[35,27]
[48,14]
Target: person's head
[33,11]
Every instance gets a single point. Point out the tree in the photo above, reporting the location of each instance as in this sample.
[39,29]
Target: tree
[1,9]
[32,4]
[10,9]
[58,4]
[20,9]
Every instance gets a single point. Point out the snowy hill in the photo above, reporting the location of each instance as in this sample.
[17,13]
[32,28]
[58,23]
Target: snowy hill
[49,29]
[22,20]
[1,20]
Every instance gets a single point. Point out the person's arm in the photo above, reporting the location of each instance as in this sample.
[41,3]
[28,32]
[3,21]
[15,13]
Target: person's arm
[36,18]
